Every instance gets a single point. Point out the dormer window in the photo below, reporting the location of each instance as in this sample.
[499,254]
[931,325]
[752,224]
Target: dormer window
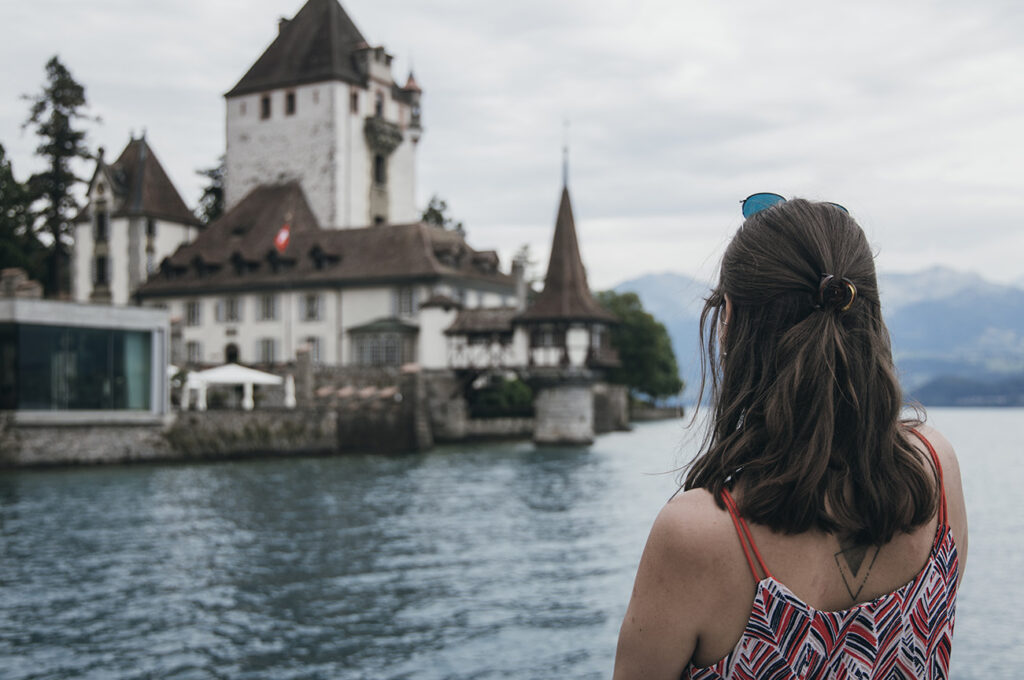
[265,107]
[289,104]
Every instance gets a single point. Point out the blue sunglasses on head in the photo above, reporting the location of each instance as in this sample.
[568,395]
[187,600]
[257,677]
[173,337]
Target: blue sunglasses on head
[755,203]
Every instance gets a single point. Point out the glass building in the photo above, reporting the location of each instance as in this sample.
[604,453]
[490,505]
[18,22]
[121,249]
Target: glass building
[65,357]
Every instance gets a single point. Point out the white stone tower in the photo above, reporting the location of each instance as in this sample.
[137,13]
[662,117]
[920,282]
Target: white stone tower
[320,106]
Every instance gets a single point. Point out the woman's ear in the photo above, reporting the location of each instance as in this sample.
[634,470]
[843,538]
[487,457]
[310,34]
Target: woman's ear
[727,317]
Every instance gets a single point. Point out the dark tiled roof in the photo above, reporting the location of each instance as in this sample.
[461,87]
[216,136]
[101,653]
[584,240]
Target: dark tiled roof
[237,252]
[386,325]
[566,295]
[147,188]
[317,44]
[141,187]
[442,301]
[483,320]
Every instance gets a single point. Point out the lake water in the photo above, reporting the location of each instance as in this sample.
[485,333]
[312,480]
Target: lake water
[485,561]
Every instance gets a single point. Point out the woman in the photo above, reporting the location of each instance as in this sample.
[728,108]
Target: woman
[818,535]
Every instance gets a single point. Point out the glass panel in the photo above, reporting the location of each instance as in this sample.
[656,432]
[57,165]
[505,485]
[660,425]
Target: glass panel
[83,368]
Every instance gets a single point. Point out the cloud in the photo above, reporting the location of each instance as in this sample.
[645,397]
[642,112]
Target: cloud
[907,113]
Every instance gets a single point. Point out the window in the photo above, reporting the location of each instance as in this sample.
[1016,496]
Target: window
[316,96]
[150,262]
[265,107]
[405,303]
[391,355]
[192,313]
[378,220]
[353,102]
[241,108]
[229,310]
[289,104]
[150,227]
[378,104]
[101,226]
[100,270]
[311,307]
[314,349]
[66,368]
[266,350]
[194,351]
[380,169]
[268,307]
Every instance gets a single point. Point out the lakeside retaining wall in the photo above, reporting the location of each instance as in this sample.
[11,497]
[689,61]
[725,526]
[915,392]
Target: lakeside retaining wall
[371,411]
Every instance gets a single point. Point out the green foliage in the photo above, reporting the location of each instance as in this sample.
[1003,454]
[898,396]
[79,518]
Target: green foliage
[502,399]
[211,203]
[19,246]
[436,214]
[648,363]
[54,113]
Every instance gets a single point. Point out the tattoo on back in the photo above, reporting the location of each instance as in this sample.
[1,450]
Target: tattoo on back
[855,566]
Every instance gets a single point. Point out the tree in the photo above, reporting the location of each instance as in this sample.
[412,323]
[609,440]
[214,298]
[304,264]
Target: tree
[19,246]
[55,112]
[435,214]
[211,203]
[648,363]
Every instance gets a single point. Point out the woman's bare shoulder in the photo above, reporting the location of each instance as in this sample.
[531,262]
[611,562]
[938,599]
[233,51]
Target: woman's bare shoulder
[694,528]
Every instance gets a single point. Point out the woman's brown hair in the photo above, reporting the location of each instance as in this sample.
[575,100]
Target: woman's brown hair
[806,404]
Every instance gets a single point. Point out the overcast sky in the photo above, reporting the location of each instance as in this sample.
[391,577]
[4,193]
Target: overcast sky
[908,113]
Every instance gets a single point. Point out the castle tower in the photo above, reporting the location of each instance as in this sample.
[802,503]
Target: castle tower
[321,106]
[134,217]
[565,332]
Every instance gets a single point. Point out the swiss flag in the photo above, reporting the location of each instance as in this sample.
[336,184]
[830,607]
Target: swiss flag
[282,238]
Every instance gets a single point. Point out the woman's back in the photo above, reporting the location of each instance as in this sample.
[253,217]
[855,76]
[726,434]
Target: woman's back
[696,572]
[810,496]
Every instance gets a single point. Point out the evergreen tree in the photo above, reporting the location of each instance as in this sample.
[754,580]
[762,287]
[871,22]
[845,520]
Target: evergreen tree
[55,113]
[211,203]
[436,214]
[19,246]
[645,349]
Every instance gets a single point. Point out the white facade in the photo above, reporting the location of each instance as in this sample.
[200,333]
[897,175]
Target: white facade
[316,134]
[132,249]
[214,324]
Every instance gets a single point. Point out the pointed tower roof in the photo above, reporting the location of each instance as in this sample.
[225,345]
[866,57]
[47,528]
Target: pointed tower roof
[141,186]
[566,295]
[317,44]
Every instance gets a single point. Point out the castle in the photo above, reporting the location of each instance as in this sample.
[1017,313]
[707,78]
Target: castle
[320,246]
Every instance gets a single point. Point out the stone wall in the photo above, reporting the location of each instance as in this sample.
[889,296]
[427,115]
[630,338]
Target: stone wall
[611,408]
[498,428]
[564,415]
[26,445]
[231,433]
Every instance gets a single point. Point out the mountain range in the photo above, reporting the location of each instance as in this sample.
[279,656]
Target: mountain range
[958,339]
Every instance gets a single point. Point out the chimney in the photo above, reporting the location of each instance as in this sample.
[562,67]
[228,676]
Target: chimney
[281,23]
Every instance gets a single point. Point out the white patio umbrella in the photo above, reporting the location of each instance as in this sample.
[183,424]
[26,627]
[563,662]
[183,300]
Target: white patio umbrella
[232,374]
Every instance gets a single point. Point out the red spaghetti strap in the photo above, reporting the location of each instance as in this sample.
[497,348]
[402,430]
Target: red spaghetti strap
[943,519]
[744,532]
[739,532]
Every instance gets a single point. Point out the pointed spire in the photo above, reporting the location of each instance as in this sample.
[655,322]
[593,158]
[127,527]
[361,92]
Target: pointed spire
[411,85]
[566,295]
[565,153]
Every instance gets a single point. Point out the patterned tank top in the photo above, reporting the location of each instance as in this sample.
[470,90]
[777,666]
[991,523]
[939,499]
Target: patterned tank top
[905,634]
